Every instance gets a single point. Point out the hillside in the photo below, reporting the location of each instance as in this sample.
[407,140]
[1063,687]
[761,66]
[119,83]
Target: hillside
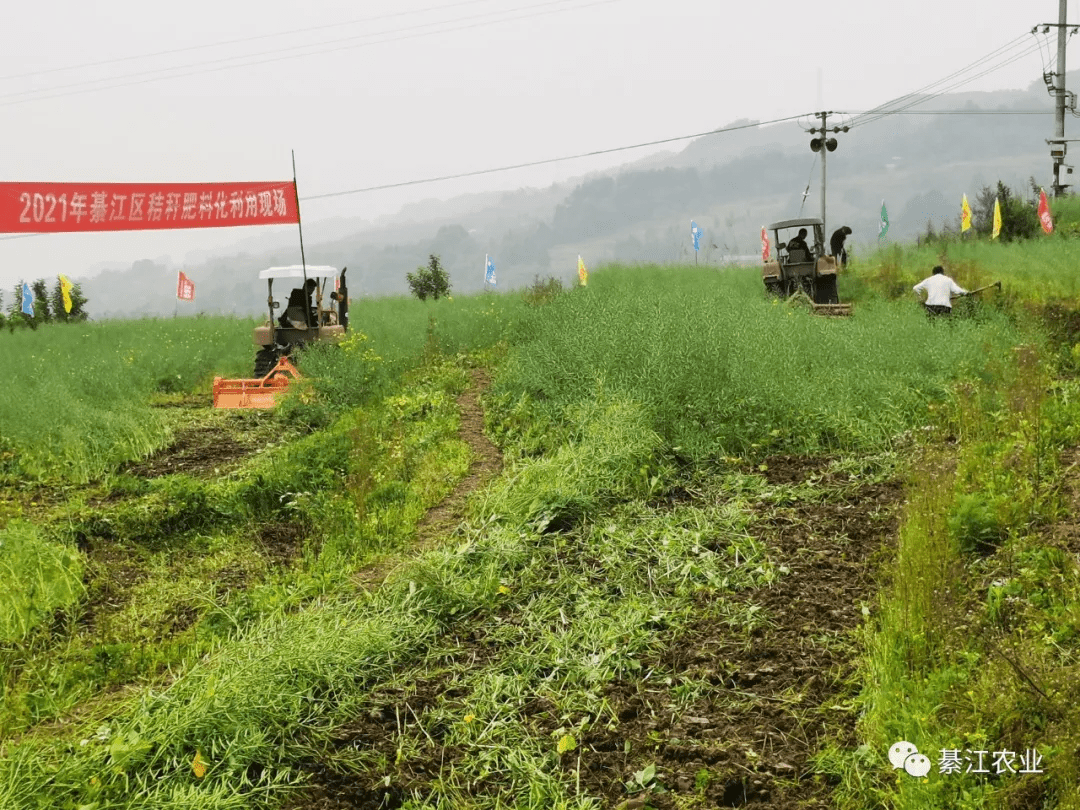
[730,184]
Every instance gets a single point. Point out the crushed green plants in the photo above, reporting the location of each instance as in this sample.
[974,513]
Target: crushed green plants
[730,553]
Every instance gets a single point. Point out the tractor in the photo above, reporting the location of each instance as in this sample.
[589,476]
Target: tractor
[802,269]
[304,320]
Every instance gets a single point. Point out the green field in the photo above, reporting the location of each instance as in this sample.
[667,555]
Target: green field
[733,553]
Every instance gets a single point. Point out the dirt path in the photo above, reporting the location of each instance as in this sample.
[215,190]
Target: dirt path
[441,519]
[486,464]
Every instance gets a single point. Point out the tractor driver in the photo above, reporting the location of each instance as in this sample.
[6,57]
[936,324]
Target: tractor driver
[799,243]
[299,304]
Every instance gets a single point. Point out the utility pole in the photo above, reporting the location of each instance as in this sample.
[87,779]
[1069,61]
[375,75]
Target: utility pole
[1059,100]
[824,154]
[824,145]
[1055,83]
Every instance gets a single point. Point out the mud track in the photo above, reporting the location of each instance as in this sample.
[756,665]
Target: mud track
[441,519]
[486,463]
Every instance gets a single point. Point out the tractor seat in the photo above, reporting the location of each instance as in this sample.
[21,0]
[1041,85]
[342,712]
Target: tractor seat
[797,256]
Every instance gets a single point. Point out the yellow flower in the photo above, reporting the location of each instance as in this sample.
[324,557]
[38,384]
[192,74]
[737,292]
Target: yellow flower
[503,589]
[198,765]
[469,718]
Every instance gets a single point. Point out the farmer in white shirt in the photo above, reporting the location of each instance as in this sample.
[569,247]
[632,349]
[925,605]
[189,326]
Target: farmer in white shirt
[940,290]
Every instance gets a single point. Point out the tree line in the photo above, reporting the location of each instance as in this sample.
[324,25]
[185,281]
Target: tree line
[48,306]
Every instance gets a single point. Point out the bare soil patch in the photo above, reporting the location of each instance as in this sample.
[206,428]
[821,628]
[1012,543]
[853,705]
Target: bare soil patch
[775,693]
[768,697]
[197,450]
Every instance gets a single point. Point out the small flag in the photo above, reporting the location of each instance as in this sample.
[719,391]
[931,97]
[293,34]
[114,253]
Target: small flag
[489,271]
[695,232]
[965,215]
[764,244]
[883,225]
[65,292]
[582,273]
[1044,212]
[185,287]
[27,300]
[997,219]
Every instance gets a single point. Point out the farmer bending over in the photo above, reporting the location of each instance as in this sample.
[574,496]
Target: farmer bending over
[940,290]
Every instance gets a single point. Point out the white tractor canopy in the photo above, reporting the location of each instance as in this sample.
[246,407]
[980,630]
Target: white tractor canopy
[297,271]
[795,223]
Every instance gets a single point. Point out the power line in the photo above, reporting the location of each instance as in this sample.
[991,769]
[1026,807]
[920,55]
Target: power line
[546,161]
[77,88]
[648,143]
[914,98]
[223,43]
[960,112]
[914,93]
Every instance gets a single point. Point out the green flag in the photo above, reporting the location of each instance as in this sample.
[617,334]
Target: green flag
[883,226]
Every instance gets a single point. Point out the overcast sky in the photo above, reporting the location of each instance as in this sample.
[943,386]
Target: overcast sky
[382,92]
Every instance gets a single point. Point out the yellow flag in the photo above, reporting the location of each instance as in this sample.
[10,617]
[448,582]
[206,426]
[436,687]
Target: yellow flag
[582,273]
[965,215]
[65,291]
[997,219]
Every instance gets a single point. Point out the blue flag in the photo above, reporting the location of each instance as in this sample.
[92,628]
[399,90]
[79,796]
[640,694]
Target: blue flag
[489,271]
[695,232]
[27,300]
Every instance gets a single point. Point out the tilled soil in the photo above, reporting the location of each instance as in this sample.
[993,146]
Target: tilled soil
[197,450]
[774,695]
[768,697]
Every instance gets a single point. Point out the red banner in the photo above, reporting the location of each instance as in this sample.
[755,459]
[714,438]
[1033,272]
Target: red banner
[78,207]
[764,244]
[1044,213]
[185,287]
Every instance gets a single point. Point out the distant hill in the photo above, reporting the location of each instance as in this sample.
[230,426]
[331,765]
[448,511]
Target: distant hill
[730,183]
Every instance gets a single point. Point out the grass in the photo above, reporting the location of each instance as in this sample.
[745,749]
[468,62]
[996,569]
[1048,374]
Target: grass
[573,575]
[274,693]
[37,577]
[76,402]
[176,564]
[972,644]
[721,371]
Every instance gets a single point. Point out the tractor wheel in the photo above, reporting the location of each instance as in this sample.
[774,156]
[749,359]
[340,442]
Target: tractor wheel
[825,290]
[774,288]
[265,359]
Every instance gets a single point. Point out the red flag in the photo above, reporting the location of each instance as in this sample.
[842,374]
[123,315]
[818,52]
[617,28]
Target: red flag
[1044,213]
[764,244]
[71,207]
[185,288]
